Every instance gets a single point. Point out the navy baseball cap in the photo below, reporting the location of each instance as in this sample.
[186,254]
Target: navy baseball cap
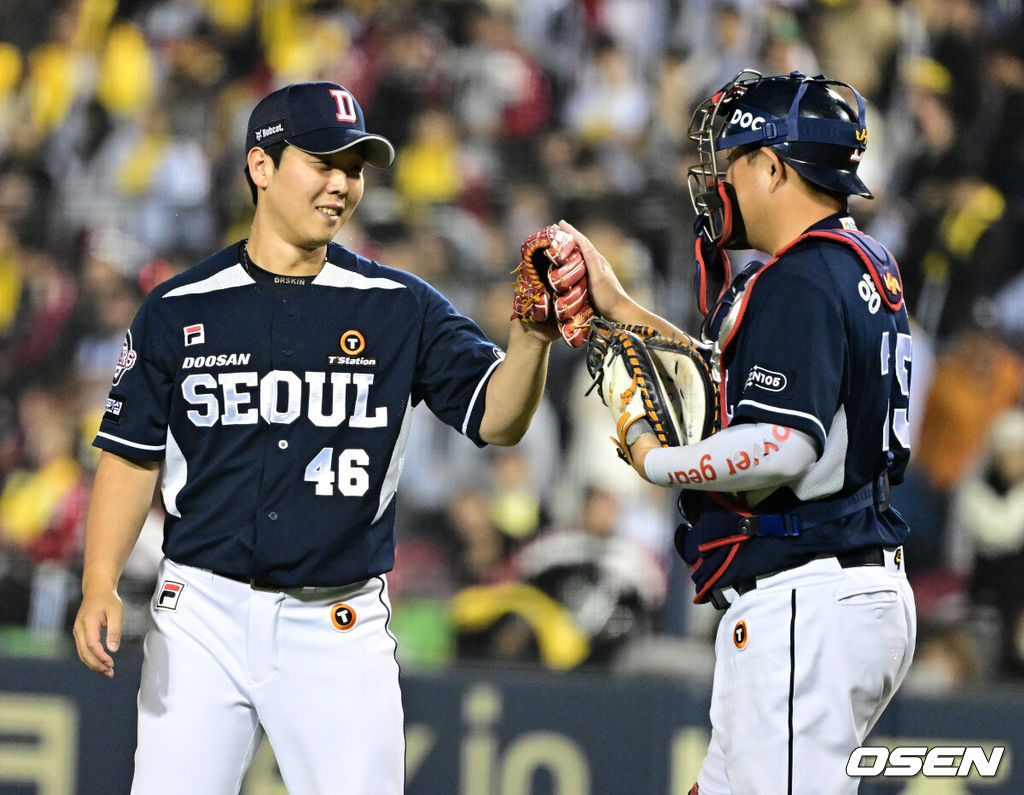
[320,118]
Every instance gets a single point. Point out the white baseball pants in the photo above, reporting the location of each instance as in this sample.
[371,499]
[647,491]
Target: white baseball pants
[313,668]
[805,664]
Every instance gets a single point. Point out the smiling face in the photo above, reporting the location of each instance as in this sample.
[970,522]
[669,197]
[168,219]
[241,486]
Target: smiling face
[306,199]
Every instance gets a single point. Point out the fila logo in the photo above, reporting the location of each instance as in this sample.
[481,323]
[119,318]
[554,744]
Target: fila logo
[169,593]
[194,334]
[343,617]
[346,105]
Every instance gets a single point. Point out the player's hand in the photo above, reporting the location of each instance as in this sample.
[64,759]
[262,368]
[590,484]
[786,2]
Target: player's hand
[548,331]
[99,612]
[606,293]
[551,283]
[639,449]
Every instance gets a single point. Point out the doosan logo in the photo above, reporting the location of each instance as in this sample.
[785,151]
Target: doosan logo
[766,379]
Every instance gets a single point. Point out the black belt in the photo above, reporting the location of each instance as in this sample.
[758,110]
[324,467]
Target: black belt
[257,585]
[867,556]
[251,582]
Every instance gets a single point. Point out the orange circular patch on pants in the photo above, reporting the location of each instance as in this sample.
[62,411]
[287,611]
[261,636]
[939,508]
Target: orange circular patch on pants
[343,617]
[739,635]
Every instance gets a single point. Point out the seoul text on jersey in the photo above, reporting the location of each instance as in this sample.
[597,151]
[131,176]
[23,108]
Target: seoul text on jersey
[280,397]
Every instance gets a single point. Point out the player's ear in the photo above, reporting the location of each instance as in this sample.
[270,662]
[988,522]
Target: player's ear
[775,168]
[259,163]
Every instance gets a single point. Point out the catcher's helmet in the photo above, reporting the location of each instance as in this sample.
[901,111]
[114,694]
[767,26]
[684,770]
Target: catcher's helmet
[802,119]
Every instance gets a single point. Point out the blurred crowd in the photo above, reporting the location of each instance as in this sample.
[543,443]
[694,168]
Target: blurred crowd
[121,156]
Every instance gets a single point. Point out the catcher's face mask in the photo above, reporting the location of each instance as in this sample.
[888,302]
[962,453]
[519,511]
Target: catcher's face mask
[714,200]
[805,120]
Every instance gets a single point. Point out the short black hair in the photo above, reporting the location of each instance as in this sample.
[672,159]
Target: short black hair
[274,152]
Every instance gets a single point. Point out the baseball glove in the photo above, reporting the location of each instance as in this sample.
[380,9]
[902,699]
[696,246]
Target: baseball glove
[552,282]
[642,375]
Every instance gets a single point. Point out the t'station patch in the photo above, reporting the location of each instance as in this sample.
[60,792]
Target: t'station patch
[739,635]
[352,344]
[170,591]
[343,617]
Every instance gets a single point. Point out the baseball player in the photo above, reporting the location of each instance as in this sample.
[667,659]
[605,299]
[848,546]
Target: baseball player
[792,534]
[269,389]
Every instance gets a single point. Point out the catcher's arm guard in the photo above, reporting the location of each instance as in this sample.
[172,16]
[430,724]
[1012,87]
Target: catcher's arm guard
[641,375]
[552,282]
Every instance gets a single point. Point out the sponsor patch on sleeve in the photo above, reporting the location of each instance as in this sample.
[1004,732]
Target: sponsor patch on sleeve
[768,380]
[112,409]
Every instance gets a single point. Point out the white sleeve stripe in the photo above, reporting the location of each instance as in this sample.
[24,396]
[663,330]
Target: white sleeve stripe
[476,392]
[131,444]
[784,412]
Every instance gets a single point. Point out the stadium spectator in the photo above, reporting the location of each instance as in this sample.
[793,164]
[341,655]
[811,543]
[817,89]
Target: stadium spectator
[119,122]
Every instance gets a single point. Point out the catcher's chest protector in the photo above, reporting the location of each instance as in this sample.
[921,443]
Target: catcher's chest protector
[723,322]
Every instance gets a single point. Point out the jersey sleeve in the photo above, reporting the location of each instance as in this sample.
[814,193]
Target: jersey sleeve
[790,356]
[455,363]
[135,416]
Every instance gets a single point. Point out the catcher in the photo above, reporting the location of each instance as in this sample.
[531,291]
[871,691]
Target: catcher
[787,523]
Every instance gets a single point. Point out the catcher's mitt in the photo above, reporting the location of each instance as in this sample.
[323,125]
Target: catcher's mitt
[642,375]
[552,281]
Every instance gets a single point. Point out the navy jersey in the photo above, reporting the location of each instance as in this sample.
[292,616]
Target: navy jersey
[281,410]
[816,347]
